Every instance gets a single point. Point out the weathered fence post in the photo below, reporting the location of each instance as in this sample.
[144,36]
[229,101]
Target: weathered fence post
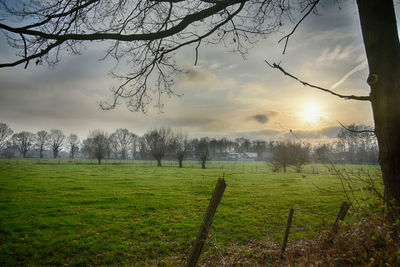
[288,224]
[206,224]
[342,213]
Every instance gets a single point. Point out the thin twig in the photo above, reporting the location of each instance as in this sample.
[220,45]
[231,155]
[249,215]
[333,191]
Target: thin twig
[25,50]
[295,27]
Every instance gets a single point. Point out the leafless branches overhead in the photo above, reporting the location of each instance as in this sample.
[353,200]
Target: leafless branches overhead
[141,34]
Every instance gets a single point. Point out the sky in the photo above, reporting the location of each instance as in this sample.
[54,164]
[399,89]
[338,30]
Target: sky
[223,96]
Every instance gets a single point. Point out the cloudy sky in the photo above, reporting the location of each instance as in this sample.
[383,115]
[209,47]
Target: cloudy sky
[224,95]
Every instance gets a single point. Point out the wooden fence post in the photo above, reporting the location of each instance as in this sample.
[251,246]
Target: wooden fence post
[342,213]
[206,224]
[288,224]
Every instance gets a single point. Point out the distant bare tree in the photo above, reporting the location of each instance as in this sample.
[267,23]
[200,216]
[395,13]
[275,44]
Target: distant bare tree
[143,149]
[73,144]
[24,142]
[42,139]
[285,153]
[97,145]
[56,141]
[181,146]
[358,144]
[5,133]
[300,154]
[259,146]
[113,153]
[158,141]
[202,151]
[134,145]
[123,139]
[280,154]
[323,153]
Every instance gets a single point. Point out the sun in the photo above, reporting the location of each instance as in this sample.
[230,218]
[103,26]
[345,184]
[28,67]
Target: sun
[312,113]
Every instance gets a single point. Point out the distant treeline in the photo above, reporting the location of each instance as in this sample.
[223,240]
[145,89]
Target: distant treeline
[357,144]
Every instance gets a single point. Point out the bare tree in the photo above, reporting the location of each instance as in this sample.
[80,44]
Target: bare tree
[259,146]
[97,145]
[143,148]
[382,47]
[280,155]
[122,139]
[158,141]
[285,153]
[73,144]
[242,145]
[56,141]
[24,142]
[358,144]
[5,133]
[202,151]
[42,139]
[149,32]
[323,153]
[300,154]
[181,147]
[114,152]
[134,145]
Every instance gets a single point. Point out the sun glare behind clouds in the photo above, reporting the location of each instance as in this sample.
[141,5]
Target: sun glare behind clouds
[312,113]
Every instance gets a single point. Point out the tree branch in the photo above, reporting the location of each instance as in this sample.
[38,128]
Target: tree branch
[27,59]
[185,22]
[25,50]
[353,97]
[356,131]
[286,37]
[62,14]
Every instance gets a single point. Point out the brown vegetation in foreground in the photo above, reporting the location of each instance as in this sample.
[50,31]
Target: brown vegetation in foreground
[371,241]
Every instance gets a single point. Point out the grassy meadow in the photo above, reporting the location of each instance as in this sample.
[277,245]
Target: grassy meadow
[133,213]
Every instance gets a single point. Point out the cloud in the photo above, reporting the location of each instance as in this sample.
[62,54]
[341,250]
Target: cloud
[337,53]
[261,134]
[327,132]
[197,121]
[261,118]
[264,117]
[196,77]
[359,67]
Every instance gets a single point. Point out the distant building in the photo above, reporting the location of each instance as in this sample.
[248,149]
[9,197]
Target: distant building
[233,156]
[248,156]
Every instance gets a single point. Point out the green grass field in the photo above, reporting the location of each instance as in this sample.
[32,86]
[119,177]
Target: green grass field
[138,214]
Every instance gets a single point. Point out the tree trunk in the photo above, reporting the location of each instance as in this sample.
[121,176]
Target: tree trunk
[180,163]
[99,161]
[381,42]
[41,152]
[298,168]
[55,154]
[203,164]
[159,163]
